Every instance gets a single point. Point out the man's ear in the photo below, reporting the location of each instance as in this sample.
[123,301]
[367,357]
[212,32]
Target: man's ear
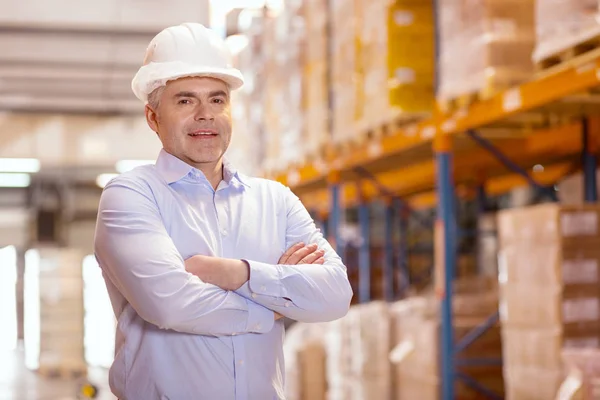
[151,118]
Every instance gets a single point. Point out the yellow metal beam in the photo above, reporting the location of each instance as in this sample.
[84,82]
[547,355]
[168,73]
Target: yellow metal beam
[502,184]
[470,168]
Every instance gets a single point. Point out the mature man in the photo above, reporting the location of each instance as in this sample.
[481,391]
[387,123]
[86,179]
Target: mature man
[200,260]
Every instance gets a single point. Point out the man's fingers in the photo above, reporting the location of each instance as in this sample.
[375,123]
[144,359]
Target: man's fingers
[284,258]
[311,258]
[320,261]
[300,254]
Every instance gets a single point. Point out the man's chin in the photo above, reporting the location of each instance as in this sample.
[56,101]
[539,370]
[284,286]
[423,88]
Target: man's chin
[206,159]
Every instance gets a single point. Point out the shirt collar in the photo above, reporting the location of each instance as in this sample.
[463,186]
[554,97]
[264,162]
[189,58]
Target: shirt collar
[173,169]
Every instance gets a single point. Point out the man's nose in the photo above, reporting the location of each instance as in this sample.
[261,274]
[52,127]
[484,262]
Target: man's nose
[204,114]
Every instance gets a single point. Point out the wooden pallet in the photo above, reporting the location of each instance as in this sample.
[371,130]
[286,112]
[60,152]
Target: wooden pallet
[578,61]
[465,100]
[569,54]
[389,128]
[62,371]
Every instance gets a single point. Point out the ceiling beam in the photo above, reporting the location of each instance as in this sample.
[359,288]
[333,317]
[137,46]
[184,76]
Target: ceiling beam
[122,32]
[72,64]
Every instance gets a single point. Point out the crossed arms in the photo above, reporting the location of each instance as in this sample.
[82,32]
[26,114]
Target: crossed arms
[214,296]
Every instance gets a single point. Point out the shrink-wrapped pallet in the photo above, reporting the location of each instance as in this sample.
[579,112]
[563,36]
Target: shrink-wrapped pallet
[416,340]
[382,65]
[289,34]
[274,100]
[358,367]
[549,275]
[345,78]
[54,312]
[249,142]
[315,91]
[305,359]
[484,46]
[563,25]
[581,374]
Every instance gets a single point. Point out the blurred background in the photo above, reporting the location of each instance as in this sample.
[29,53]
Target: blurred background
[447,148]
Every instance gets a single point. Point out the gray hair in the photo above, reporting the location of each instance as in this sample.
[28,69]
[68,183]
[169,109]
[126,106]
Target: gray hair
[154,97]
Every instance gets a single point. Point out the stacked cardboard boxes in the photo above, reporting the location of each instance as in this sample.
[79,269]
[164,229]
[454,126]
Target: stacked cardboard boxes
[315,90]
[416,338]
[382,64]
[549,274]
[582,374]
[410,57]
[562,24]
[54,313]
[305,359]
[285,99]
[274,95]
[289,35]
[346,80]
[484,45]
[249,142]
[358,347]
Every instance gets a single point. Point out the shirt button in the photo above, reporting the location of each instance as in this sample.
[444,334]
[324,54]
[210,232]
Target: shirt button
[257,327]
[263,288]
[287,303]
[253,295]
[241,362]
[224,232]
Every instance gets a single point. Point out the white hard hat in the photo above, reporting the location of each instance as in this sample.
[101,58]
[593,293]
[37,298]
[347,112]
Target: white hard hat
[184,50]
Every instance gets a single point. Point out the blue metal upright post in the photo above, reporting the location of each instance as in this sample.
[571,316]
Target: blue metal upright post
[388,252]
[589,165]
[446,221]
[324,224]
[402,212]
[364,254]
[335,214]
[481,209]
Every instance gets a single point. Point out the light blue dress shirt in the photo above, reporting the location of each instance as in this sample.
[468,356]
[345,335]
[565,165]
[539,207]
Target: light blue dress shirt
[179,338]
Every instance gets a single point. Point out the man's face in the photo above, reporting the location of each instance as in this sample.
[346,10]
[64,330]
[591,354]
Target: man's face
[193,119]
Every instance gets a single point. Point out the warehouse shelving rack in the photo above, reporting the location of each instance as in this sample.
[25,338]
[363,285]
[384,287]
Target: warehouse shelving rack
[487,148]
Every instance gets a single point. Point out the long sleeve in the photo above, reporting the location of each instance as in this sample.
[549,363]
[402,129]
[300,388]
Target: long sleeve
[139,257]
[306,293]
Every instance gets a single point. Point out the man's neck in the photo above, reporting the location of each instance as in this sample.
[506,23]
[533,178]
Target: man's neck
[213,173]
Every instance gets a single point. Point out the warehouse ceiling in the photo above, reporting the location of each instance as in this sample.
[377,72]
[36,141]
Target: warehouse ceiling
[66,101]
[74,56]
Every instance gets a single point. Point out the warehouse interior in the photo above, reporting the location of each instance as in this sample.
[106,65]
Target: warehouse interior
[446,148]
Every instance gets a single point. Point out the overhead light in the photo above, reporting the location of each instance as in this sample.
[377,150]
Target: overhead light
[30,165]
[14,180]
[538,168]
[128,165]
[103,179]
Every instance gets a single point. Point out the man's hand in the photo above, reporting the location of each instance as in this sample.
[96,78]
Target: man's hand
[301,254]
[228,274]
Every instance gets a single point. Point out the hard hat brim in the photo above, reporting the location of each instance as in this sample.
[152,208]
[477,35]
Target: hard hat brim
[152,76]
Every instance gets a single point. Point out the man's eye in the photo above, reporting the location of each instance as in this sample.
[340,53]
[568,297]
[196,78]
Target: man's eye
[183,101]
[218,101]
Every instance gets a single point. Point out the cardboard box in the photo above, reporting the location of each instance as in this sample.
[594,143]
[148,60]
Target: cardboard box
[548,224]
[305,355]
[531,383]
[562,24]
[581,374]
[489,50]
[416,340]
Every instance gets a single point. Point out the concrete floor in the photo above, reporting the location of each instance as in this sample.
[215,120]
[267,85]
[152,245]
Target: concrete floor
[19,383]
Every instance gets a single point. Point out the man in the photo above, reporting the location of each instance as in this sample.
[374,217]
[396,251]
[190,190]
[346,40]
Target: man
[200,260]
